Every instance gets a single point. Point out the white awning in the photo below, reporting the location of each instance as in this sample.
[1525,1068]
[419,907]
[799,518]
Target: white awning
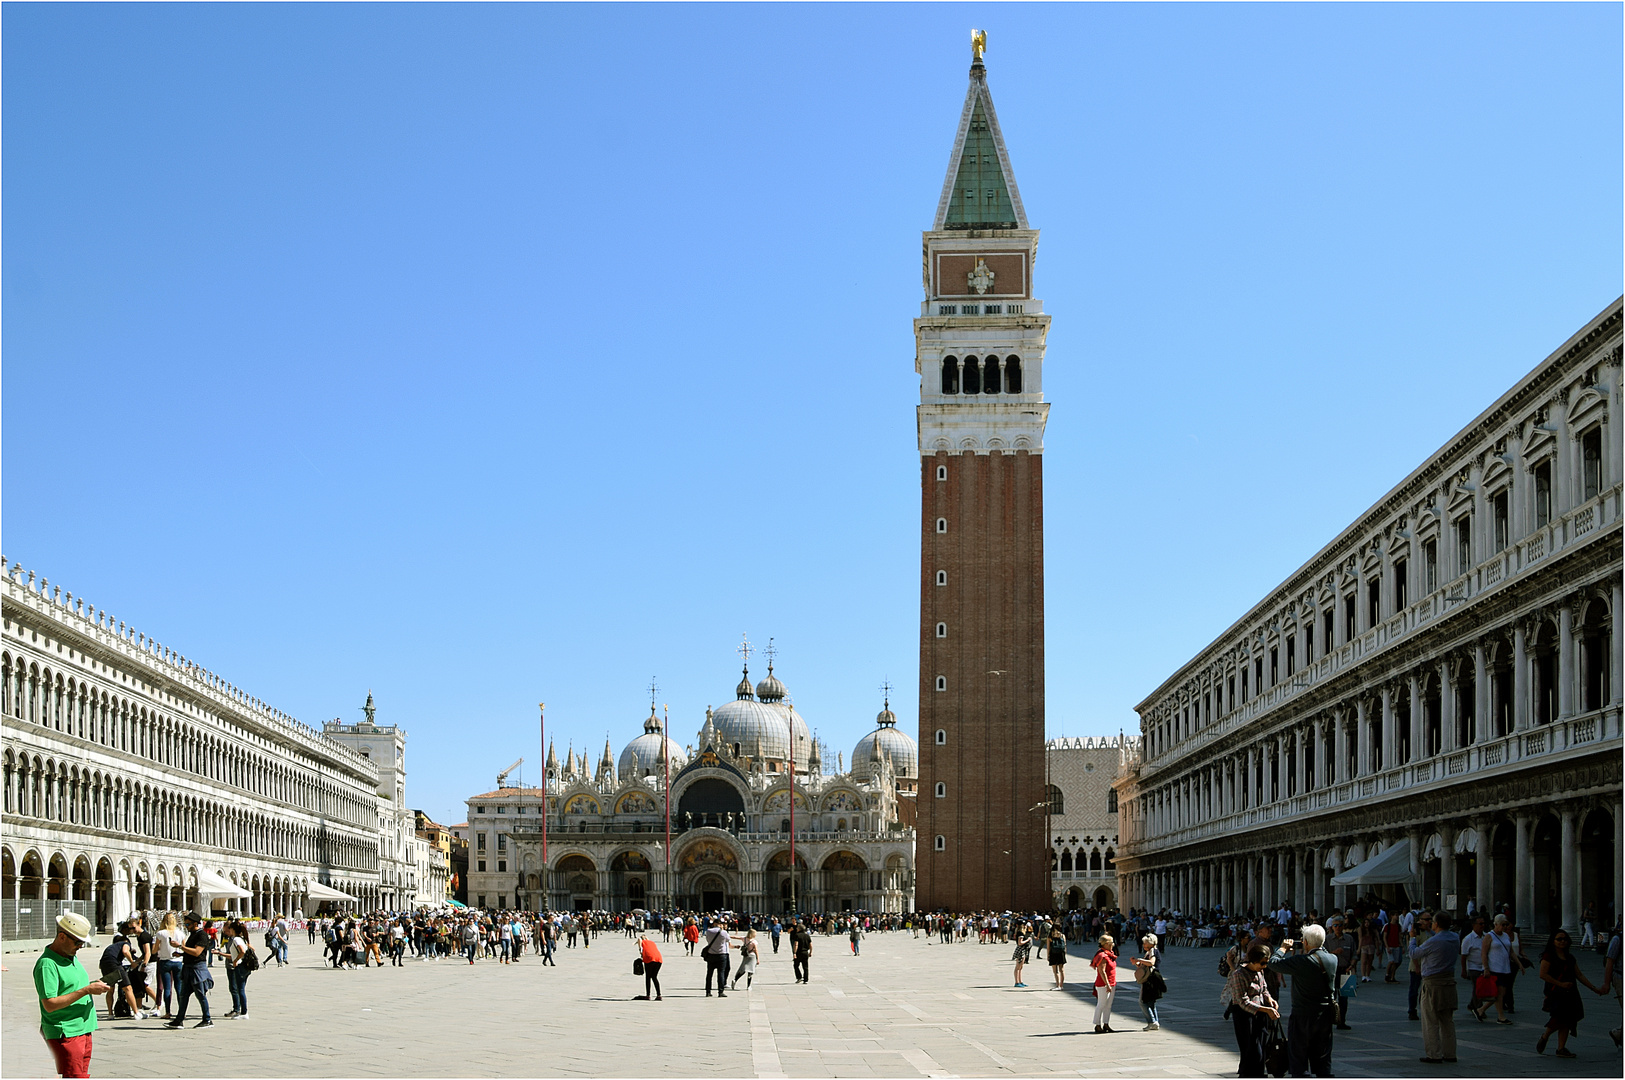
[1391,867]
[318,891]
[212,884]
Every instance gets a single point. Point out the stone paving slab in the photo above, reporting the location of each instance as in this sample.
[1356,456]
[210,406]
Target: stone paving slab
[907,1007]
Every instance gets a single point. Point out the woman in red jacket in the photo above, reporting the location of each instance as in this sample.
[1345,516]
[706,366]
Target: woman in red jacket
[1105,964]
[650,955]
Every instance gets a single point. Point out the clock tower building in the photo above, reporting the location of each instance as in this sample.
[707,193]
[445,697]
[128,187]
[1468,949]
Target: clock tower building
[979,351]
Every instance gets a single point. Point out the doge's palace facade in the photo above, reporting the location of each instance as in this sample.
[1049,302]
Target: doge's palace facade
[135,778]
[1443,675]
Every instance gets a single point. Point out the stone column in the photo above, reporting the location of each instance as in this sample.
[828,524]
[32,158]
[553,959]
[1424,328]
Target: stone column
[1362,739]
[1249,800]
[1390,737]
[1418,728]
[1415,836]
[1300,879]
[1616,692]
[1317,857]
[1483,894]
[1300,758]
[1565,672]
[1447,868]
[1481,695]
[1523,875]
[1570,896]
[1520,680]
[1447,708]
[1336,761]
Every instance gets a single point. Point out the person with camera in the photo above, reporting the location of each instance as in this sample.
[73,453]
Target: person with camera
[1314,1000]
[1250,1007]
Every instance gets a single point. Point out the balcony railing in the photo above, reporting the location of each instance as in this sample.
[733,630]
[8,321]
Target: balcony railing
[1487,760]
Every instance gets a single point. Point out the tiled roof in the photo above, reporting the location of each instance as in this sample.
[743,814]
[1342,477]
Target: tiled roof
[510,793]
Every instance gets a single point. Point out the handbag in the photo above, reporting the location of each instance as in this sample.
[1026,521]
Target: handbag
[637,966]
[1485,986]
[1349,985]
[1275,1048]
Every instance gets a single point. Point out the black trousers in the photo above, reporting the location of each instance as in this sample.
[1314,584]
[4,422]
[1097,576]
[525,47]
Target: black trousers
[800,966]
[1249,1040]
[1309,1043]
[718,966]
[651,978]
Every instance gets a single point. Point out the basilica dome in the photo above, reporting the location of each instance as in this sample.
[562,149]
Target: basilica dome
[761,728]
[642,755]
[889,741]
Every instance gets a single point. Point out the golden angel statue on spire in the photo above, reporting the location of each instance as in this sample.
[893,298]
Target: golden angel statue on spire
[978,43]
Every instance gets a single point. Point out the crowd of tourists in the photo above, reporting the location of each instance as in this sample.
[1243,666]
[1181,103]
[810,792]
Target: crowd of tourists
[156,965]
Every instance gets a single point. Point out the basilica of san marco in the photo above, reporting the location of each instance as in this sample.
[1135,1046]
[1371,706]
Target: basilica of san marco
[731,820]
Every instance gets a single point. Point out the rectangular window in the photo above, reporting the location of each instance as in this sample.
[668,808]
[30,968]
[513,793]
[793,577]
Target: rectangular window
[1430,566]
[1498,514]
[502,809]
[1258,673]
[1244,691]
[1348,617]
[1331,627]
[1373,596]
[480,844]
[1543,494]
[1464,545]
[1401,583]
[502,841]
[1275,665]
[1591,461]
[1309,643]
[502,866]
[482,895]
[479,809]
[1291,656]
[1230,691]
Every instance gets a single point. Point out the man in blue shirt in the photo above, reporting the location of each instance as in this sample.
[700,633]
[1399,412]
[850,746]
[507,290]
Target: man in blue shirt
[1438,956]
[776,931]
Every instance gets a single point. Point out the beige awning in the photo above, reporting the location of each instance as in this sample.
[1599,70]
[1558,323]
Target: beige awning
[211,884]
[318,891]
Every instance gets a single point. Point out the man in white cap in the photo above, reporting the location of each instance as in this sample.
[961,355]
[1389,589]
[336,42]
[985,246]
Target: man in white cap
[67,997]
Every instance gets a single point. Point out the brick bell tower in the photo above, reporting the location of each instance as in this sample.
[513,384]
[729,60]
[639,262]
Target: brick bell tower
[979,351]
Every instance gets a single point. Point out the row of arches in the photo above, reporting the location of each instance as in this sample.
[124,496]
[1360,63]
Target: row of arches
[32,693]
[988,375]
[43,788]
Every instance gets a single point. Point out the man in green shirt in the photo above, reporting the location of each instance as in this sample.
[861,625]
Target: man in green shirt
[67,997]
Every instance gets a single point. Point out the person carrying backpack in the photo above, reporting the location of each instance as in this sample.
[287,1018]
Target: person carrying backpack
[1314,1001]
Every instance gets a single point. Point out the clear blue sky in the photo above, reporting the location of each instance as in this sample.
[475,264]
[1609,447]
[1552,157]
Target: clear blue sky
[482,356]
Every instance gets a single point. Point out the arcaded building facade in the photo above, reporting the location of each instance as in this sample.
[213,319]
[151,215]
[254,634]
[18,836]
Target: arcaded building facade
[979,351]
[1083,818]
[137,779]
[1443,675]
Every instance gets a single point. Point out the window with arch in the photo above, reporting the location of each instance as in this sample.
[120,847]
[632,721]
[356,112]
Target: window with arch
[1012,374]
[1054,799]
[940,843]
[942,790]
[971,383]
[942,629]
[942,737]
[942,525]
[942,682]
[1111,801]
[950,375]
[1066,860]
[990,375]
[942,577]
[1591,462]
[942,472]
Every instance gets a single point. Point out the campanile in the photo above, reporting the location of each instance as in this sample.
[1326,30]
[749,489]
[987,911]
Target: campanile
[979,352]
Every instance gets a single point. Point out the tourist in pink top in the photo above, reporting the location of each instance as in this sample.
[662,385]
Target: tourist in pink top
[1105,964]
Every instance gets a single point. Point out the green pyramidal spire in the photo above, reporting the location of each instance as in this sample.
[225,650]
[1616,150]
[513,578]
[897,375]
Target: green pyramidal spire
[979,191]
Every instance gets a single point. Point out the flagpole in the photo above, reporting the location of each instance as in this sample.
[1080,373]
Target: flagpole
[541,710]
[665,754]
[790,721]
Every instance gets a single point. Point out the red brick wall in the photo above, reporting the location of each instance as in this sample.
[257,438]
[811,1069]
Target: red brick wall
[993,761]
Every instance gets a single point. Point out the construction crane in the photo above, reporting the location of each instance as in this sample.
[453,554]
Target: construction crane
[502,777]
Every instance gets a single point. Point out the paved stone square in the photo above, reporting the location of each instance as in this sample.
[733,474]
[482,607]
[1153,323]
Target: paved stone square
[906,1007]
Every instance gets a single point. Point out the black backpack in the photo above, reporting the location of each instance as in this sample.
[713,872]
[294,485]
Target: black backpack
[248,962]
